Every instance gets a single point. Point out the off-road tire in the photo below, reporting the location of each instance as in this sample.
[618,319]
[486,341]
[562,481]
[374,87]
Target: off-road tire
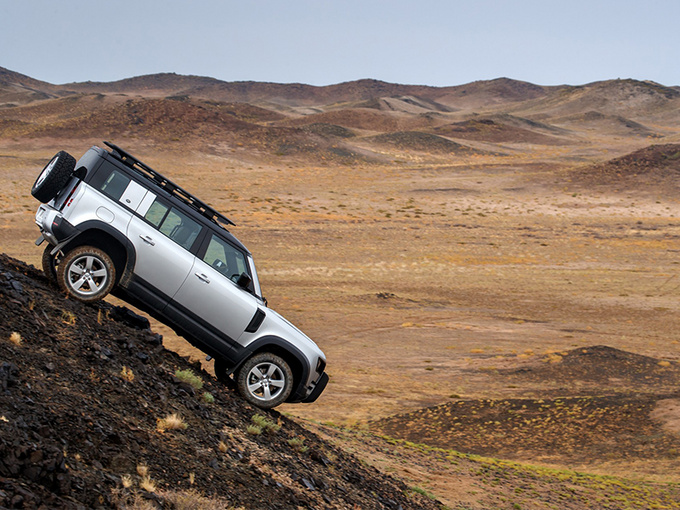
[265,380]
[86,274]
[53,177]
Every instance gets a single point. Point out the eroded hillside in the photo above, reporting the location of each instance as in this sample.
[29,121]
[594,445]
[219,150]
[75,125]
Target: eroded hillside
[83,399]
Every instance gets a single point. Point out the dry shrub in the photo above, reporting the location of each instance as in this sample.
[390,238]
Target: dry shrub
[68,318]
[15,338]
[189,377]
[171,422]
[127,374]
[192,500]
[147,484]
[264,423]
[126,480]
[254,430]
[298,444]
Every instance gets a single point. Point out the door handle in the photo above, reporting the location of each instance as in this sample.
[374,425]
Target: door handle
[203,278]
[147,240]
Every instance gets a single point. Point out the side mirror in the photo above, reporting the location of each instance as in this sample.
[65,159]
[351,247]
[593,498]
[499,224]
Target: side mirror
[244,281]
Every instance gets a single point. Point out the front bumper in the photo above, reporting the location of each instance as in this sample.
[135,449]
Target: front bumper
[318,389]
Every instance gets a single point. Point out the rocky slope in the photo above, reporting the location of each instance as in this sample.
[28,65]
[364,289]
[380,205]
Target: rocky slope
[85,401]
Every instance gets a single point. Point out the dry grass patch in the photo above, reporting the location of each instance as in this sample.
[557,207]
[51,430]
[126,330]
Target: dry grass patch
[68,318]
[147,484]
[189,377]
[265,424]
[127,374]
[15,338]
[171,422]
[126,480]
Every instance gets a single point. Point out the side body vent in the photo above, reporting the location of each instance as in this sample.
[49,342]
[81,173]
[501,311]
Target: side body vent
[256,321]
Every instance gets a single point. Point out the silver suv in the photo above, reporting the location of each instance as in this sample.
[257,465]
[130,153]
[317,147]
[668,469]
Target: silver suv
[113,224]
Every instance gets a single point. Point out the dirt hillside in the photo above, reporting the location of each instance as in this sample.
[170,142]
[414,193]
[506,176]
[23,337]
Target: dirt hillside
[82,399]
[653,168]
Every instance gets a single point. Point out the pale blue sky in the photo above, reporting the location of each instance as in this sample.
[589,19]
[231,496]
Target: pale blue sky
[320,42]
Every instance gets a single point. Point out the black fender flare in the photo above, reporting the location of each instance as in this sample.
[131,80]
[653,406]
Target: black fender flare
[90,227]
[279,344]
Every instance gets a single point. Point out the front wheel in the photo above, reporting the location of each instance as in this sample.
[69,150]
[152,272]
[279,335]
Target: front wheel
[86,274]
[265,380]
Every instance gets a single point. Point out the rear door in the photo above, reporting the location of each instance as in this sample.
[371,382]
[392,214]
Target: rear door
[163,237]
[211,293]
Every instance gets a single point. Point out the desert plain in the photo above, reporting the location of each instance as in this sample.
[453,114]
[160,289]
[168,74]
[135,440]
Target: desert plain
[490,269]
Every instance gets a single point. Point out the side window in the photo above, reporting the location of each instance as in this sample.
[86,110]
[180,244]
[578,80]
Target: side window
[115,184]
[225,258]
[179,227]
[156,213]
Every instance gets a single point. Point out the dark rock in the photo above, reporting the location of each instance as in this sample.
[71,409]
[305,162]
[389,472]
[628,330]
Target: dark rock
[8,375]
[154,339]
[186,388]
[127,316]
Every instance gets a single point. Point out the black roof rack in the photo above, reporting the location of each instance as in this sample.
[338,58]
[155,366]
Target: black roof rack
[169,186]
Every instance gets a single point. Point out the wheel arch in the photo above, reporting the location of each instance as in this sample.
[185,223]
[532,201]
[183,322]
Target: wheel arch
[296,360]
[107,238]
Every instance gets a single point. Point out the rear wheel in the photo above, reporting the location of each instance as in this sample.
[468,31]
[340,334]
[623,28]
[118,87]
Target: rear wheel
[87,274]
[53,177]
[265,380]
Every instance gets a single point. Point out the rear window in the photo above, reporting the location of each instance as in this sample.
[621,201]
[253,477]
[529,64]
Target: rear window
[115,184]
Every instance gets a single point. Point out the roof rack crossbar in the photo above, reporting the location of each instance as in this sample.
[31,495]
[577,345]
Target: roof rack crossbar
[168,185]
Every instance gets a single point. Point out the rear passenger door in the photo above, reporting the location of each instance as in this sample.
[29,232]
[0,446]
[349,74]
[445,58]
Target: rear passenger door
[163,237]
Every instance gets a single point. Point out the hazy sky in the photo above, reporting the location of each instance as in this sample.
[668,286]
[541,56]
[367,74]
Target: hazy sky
[320,42]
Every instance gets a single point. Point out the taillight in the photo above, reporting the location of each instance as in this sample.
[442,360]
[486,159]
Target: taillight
[69,197]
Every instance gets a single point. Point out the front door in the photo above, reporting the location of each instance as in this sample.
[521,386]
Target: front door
[211,293]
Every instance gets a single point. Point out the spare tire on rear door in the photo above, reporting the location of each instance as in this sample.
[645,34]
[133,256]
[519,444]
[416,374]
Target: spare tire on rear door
[54,177]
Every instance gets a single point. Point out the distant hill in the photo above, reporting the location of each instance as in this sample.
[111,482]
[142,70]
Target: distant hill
[18,89]
[629,98]
[652,169]
[496,131]
[367,121]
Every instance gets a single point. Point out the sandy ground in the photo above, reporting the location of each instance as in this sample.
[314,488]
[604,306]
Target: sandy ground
[421,282]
